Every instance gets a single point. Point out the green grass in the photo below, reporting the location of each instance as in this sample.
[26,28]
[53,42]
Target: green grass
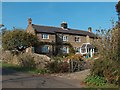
[98,82]
[0,64]
[24,69]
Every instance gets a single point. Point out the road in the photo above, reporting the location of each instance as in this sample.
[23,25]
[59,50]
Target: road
[13,79]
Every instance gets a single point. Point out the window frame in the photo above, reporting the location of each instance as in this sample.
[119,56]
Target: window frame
[44,50]
[44,36]
[77,39]
[65,38]
[65,49]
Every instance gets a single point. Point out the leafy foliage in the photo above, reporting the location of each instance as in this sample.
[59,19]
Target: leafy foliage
[108,64]
[18,40]
[118,7]
[75,57]
[95,80]
[98,82]
[57,65]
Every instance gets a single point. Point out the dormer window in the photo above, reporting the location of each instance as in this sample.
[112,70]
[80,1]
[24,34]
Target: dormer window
[45,36]
[77,39]
[65,38]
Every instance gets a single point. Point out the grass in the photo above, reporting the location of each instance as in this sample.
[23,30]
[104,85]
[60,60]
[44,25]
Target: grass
[23,69]
[98,82]
[0,64]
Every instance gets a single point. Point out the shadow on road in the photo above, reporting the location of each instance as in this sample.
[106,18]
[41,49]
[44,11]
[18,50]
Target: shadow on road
[6,71]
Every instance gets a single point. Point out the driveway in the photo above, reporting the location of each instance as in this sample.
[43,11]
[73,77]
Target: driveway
[13,79]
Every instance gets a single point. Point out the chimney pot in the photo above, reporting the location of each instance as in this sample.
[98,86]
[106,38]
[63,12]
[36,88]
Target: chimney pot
[29,21]
[89,29]
[64,25]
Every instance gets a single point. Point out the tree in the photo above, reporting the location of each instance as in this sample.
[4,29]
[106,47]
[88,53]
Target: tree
[18,40]
[118,7]
[108,64]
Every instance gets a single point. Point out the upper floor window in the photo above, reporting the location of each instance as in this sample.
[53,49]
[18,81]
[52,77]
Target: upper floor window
[45,36]
[77,39]
[65,38]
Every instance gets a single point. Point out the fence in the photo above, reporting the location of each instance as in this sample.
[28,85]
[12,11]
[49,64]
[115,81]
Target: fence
[76,65]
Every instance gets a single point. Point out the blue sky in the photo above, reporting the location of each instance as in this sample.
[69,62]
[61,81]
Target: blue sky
[78,15]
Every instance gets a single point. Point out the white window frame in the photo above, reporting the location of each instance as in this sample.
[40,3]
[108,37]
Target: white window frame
[65,49]
[77,39]
[65,38]
[44,36]
[44,50]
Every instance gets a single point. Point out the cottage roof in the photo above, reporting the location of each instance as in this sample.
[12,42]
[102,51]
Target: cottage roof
[52,30]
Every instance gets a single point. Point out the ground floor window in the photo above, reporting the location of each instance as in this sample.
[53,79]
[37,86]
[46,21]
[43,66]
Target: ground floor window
[83,50]
[77,49]
[45,49]
[33,49]
[65,49]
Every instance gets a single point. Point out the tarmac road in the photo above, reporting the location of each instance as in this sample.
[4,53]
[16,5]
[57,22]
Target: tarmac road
[13,79]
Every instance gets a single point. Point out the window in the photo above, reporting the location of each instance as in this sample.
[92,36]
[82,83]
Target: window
[77,39]
[45,49]
[33,49]
[65,50]
[65,38]
[77,49]
[83,50]
[45,36]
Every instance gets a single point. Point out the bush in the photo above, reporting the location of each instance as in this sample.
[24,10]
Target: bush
[58,67]
[95,80]
[75,57]
[109,70]
[108,64]
[57,58]
[98,68]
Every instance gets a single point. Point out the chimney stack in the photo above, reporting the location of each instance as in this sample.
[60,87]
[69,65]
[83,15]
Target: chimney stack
[89,29]
[64,25]
[29,21]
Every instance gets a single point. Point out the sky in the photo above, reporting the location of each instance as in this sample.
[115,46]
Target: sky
[59,0]
[78,15]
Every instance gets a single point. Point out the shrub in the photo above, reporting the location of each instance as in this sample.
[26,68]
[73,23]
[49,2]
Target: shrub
[75,57]
[95,80]
[98,82]
[108,64]
[57,58]
[64,67]
[58,67]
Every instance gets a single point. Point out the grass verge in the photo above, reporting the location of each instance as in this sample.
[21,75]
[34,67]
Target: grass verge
[23,69]
[98,82]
